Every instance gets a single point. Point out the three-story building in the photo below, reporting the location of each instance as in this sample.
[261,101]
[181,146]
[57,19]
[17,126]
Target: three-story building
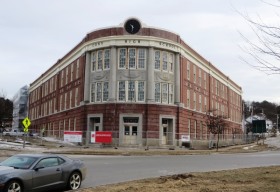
[144,84]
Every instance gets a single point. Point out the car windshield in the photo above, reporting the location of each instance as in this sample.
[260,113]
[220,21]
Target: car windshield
[20,162]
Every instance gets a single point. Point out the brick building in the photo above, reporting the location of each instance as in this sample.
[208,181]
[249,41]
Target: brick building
[144,84]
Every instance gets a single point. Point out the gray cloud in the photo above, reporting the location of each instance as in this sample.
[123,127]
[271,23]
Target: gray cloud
[35,34]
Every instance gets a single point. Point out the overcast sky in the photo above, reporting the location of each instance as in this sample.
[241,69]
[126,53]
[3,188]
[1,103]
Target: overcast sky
[35,34]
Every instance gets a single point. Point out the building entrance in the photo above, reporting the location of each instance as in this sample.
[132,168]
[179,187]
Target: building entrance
[167,131]
[130,129]
[130,134]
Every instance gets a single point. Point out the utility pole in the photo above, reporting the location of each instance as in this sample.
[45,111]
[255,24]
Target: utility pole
[277,122]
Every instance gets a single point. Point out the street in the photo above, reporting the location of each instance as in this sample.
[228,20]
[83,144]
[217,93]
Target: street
[113,169]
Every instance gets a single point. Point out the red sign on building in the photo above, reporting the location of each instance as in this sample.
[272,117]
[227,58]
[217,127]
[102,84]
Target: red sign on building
[101,137]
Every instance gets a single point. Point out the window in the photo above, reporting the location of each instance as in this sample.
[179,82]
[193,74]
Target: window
[99,92]
[199,103]
[60,107]
[204,80]
[76,96]
[194,73]
[141,91]
[54,104]
[157,92]
[126,130]
[66,77]
[188,98]
[134,130]
[77,69]
[62,78]
[170,62]
[199,77]
[65,101]
[217,87]
[50,107]
[170,91]
[194,100]
[141,58]
[22,162]
[48,162]
[106,91]
[122,91]
[157,60]
[71,75]
[132,58]
[100,60]
[70,99]
[164,93]
[93,61]
[131,91]
[92,98]
[164,61]
[205,103]
[107,59]
[122,61]
[188,70]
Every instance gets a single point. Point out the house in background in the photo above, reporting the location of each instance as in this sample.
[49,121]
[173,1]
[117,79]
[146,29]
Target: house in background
[260,116]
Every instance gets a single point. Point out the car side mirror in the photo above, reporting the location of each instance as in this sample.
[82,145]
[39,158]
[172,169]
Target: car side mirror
[37,168]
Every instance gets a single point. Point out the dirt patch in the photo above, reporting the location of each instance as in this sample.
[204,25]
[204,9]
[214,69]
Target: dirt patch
[241,180]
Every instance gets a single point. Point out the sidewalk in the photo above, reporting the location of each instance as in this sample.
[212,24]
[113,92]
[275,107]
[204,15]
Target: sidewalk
[10,148]
[273,141]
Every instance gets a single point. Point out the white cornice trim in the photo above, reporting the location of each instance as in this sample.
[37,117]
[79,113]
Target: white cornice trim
[134,40]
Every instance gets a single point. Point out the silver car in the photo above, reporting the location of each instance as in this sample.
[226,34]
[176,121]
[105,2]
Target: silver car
[40,172]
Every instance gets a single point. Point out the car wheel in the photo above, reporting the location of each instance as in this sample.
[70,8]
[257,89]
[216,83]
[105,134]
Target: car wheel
[75,181]
[13,186]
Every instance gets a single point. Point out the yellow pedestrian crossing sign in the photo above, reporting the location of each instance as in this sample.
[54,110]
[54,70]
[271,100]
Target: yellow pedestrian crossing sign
[26,123]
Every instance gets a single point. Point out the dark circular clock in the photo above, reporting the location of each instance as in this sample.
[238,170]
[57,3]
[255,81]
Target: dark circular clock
[132,26]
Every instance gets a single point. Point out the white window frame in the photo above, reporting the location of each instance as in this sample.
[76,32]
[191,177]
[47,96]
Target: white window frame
[77,68]
[188,70]
[194,100]
[132,58]
[171,63]
[107,55]
[194,73]
[122,58]
[98,92]
[165,94]
[126,92]
[164,61]
[141,62]
[157,60]
[100,60]
[188,98]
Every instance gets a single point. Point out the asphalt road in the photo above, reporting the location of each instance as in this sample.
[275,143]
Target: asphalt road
[113,169]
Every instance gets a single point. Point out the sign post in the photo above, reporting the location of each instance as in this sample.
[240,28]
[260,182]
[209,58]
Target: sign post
[26,123]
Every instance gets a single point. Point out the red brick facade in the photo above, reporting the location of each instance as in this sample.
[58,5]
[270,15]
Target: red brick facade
[57,100]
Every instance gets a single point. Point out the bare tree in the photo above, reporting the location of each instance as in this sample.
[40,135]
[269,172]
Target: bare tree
[216,125]
[6,111]
[265,52]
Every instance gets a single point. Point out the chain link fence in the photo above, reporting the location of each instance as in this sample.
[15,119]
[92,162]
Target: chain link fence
[152,139]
